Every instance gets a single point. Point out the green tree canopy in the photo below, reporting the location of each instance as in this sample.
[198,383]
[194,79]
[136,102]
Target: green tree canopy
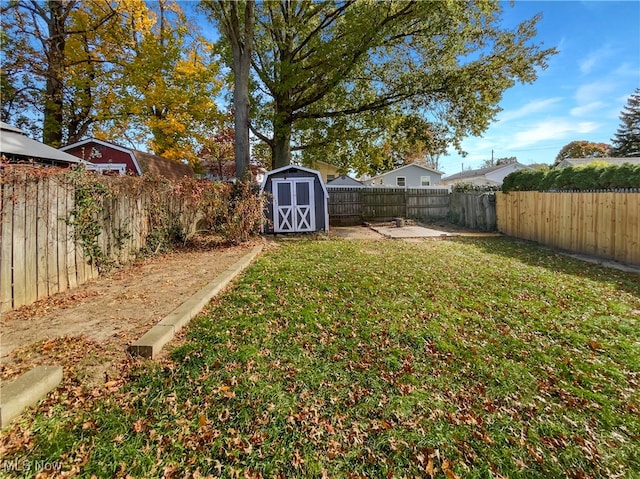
[335,71]
[626,141]
[583,149]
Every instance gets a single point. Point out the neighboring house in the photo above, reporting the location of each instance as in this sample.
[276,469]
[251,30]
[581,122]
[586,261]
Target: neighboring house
[345,180]
[407,176]
[134,162]
[586,161]
[327,170]
[226,171]
[492,175]
[17,147]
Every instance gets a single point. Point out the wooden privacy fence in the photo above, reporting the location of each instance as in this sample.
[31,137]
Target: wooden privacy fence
[41,253]
[604,224]
[349,206]
[39,256]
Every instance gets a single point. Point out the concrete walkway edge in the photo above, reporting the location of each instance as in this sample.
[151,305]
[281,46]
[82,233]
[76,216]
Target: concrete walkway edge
[151,343]
[27,390]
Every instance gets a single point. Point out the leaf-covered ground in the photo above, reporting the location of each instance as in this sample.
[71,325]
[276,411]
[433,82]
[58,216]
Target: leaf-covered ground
[474,358]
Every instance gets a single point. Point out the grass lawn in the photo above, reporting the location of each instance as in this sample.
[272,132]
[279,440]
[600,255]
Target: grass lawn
[473,358]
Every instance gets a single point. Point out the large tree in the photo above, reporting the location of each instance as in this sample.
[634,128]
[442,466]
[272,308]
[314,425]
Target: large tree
[117,70]
[166,96]
[329,64]
[236,21]
[626,141]
[582,149]
[371,142]
[52,37]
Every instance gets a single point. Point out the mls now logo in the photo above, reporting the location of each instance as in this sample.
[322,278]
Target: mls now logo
[24,465]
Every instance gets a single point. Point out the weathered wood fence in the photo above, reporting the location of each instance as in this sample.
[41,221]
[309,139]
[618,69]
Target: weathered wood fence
[351,206]
[41,253]
[474,209]
[604,224]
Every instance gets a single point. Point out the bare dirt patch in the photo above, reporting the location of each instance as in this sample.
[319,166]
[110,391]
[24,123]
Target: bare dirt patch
[87,330]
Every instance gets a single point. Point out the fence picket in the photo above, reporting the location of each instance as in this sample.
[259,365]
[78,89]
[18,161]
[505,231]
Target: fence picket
[52,236]
[63,235]
[30,246]
[18,250]
[41,238]
[6,254]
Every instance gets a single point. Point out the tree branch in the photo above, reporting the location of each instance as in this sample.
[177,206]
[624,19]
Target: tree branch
[266,139]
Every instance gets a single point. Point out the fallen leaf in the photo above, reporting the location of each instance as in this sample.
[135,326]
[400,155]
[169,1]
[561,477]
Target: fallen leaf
[429,468]
[139,425]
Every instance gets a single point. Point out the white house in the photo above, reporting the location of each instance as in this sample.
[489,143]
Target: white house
[492,175]
[407,176]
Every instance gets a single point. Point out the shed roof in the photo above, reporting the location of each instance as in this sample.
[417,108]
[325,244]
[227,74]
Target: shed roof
[282,169]
[14,142]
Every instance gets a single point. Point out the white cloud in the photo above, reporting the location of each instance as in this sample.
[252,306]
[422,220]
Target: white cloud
[593,92]
[595,59]
[555,129]
[627,70]
[535,106]
[583,110]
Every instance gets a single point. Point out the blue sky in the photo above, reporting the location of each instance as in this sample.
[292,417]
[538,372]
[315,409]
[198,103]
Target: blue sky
[581,93]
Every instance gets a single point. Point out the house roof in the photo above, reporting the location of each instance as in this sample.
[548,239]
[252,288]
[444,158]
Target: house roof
[15,143]
[480,171]
[144,162]
[159,165]
[431,170]
[345,180]
[586,161]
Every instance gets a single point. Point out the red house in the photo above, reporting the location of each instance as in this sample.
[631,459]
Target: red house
[127,160]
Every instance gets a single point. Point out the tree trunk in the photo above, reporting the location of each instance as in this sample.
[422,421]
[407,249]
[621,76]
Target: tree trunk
[282,145]
[52,125]
[241,116]
[241,37]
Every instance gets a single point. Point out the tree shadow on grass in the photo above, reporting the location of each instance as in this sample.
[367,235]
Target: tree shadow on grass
[535,254]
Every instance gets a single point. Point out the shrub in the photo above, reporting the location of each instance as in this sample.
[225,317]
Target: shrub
[467,187]
[595,176]
[245,213]
[523,180]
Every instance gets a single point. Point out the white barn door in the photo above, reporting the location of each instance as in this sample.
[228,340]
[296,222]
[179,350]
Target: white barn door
[293,205]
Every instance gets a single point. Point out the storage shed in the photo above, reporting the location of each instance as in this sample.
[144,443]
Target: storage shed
[297,200]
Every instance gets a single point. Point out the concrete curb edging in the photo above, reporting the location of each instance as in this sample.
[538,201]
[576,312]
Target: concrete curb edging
[27,390]
[150,344]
